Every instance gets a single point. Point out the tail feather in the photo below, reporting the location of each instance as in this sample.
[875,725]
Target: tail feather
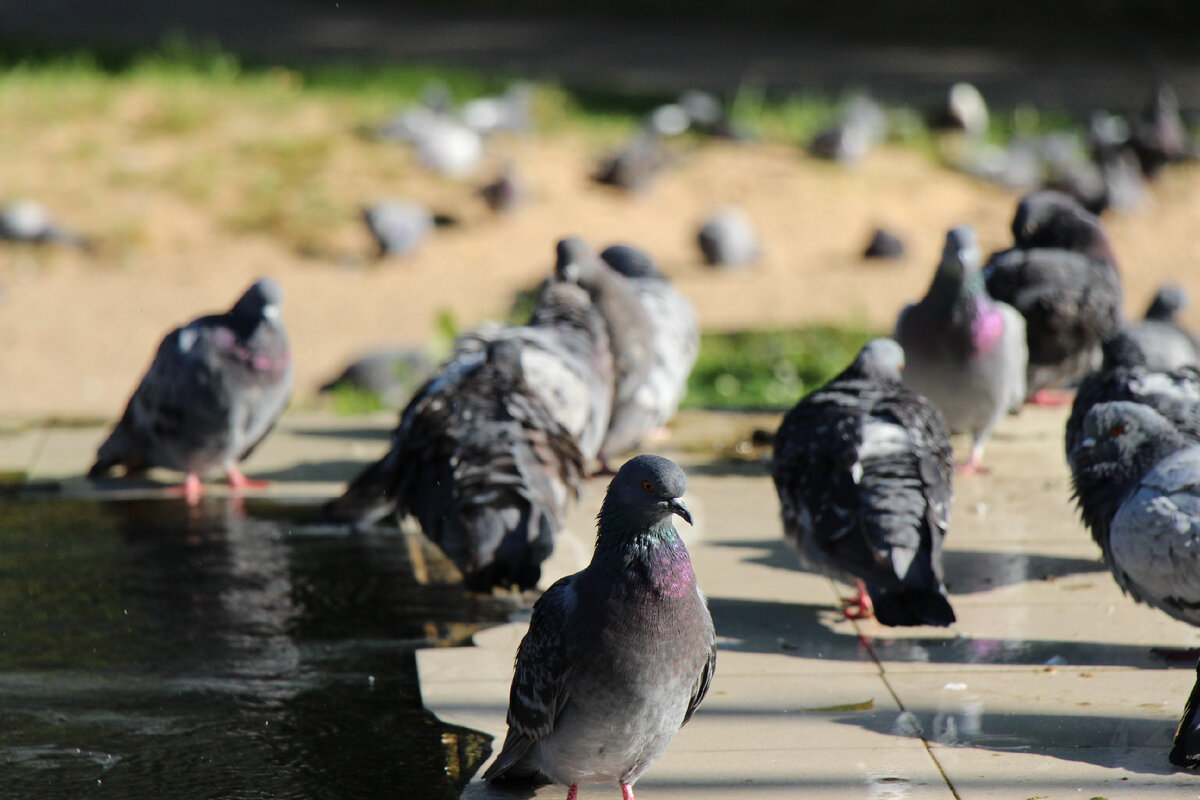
[1186,752]
[911,607]
[368,498]
[114,452]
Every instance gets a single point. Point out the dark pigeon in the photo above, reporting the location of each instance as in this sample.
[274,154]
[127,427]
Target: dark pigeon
[618,656]
[1062,276]
[862,125]
[1166,344]
[505,193]
[1126,375]
[216,387]
[863,467]
[884,244]
[510,112]
[636,163]
[727,239]
[963,350]
[1159,137]
[483,466]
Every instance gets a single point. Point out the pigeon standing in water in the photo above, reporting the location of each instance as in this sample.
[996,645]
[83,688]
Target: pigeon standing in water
[618,656]
[1166,344]
[1062,276]
[216,387]
[863,468]
[964,351]
[675,336]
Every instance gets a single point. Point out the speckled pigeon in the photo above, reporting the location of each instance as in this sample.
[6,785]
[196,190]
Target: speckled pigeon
[863,468]
[1062,276]
[1166,344]
[675,337]
[963,350]
[1126,374]
[482,464]
[727,239]
[216,387]
[618,656]
[630,333]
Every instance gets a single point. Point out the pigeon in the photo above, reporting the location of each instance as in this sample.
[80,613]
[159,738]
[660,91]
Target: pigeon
[509,112]
[1126,375]
[674,338]
[863,468]
[884,244]
[635,165]
[215,389]
[630,334]
[399,226]
[505,192]
[861,125]
[25,221]
[1160,137]
[619,655]
[708,114]
[483,466]
[963,350]
[727,239]
[1062,276]
[389,373]
[1166,344]
[963,109]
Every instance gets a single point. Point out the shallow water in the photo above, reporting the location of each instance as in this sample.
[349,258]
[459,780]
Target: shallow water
[229,651]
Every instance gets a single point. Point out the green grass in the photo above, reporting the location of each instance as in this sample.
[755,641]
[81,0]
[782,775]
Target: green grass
[769,369]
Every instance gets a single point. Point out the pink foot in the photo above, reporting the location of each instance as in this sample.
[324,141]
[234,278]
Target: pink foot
[626,792]
[973,465]
[573,791]
[859,606]
[192,489]
[239,481]
[1051,397]
[659,434]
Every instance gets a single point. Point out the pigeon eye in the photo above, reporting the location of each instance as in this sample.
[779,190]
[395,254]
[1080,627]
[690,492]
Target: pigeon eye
[1117,430]
[648,486]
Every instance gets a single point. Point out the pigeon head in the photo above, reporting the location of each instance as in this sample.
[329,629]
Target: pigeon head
[1168,300]
[1052,219]
[631,262]
[641,499]
[880,359]
[571,253]
[1122,351]
[562,302]
[261,301]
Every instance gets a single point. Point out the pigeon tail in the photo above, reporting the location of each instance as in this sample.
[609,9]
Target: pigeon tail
[911,607]
[1186,752]
[368,499]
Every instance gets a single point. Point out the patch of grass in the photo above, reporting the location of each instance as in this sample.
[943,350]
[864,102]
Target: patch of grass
[769,369]
[350,401]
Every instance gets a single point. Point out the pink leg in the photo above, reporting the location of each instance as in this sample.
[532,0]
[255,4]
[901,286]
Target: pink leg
[658,435]
[239,481]
[573,791]
[192,489]
[975,463]
[626,792]
[860,606]
[1051,397]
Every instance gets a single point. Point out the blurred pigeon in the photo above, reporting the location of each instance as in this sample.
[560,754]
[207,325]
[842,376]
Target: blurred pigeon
[964,351]
[1186,749]
[635,164]
[964,109]
[27,221]
[1124,184]
[509,112]
[434,105]
[1127,375]
[618,656]
[483,466]
[1166,344]
[861,125]
[1016,165]
[675,338]
[727,239]
[884,244]
[709,115]
[390,373]
[1159,137]
[1062,276]
[215,389]
[631,336]
[863,467]
[505,192]
[669,119]
[448,147]
[399,226]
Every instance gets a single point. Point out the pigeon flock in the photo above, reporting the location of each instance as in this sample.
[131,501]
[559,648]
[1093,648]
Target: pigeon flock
[492,447]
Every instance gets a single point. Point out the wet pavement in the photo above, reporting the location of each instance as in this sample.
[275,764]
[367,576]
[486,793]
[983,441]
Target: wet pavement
[240,650]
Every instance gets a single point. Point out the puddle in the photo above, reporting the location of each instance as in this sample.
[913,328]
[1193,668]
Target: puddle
[227,651]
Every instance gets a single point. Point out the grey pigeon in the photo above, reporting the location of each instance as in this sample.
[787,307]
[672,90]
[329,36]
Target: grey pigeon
[863,468]
[861,125]
[884,244]
[963,350]
[1166,344]
[618,656]
[1062,276]
[675,337]
[399,226]
[509,112]
[630,334]
[390,373]
[1127,375]
[505,192]
[1159,137]
[727,239]
[27,221]
[216,387]
[483,466]
[635,164]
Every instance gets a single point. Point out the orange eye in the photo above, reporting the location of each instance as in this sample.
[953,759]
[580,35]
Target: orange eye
[648,486]
[1117,430]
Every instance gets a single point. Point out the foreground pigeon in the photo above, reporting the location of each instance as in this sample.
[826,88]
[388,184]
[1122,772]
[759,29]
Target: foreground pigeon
[1062,276]
[964,351]
[863,468]
[1166,344]
[216,387]
[618,656]
[1126,374]
[727,239]
[483,466]
[675,338]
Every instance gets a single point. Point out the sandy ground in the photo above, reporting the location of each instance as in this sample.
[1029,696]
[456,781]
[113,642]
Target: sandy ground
[77,332]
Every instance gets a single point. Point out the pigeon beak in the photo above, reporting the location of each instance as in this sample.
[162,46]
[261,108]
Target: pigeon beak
[677,507]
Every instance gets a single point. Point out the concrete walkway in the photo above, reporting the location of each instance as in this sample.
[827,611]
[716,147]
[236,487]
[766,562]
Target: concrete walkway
[1046,687]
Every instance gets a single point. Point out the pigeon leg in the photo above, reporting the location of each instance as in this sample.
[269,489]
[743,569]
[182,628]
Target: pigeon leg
[239,481]
[192,489]
[1052,397]
[974,464]
[860,606]
[626,792]
[658,435]
[573,791]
